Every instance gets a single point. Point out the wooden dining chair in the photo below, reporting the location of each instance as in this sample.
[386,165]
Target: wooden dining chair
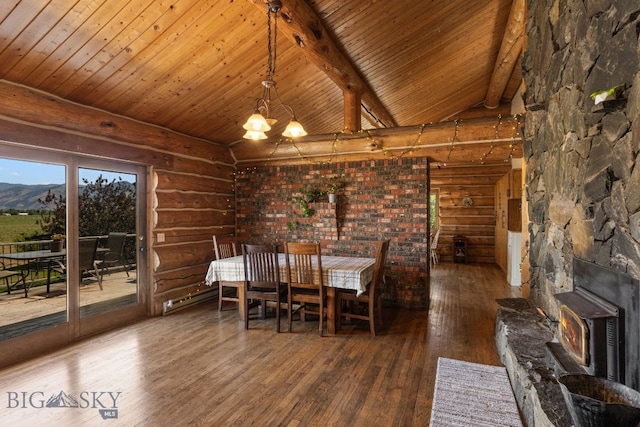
[262,280]
[434,247]
[371,298]
[304,283]
[224,246]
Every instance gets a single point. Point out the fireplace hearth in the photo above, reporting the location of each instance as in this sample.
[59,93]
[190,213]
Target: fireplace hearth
[596,334]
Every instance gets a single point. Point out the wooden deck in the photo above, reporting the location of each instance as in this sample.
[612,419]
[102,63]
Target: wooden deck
[19,314]
[200,367]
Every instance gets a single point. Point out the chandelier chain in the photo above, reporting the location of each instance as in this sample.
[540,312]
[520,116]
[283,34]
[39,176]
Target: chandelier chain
[271,45]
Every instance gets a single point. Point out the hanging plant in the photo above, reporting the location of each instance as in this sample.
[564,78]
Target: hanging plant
[307,197]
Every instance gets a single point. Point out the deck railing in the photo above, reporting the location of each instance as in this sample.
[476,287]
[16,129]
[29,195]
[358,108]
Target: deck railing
[38,271]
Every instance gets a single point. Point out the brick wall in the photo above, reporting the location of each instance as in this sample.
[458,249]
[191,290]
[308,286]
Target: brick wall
[384,199]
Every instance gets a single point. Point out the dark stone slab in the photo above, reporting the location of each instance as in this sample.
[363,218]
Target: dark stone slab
[521,337]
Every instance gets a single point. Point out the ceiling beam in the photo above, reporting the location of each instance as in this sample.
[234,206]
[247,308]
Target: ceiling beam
[510,50]
[473,141]
[304,28]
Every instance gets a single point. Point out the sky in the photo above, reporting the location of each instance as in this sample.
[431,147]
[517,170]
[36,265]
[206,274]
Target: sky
[33,173]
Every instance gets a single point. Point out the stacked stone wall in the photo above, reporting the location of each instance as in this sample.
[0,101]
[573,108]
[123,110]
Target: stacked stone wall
[583,162]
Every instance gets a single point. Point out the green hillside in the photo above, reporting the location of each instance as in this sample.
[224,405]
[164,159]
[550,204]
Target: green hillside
[11,227]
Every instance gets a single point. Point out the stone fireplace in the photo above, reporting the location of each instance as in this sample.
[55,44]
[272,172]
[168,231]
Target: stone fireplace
[582,173]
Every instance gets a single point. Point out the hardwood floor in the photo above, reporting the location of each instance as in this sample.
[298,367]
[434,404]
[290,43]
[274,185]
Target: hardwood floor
[200,367]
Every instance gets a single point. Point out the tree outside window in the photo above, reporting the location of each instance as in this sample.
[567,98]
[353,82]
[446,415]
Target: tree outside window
[433,211]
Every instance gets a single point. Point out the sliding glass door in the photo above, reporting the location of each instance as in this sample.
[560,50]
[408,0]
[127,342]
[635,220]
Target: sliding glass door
[72,244]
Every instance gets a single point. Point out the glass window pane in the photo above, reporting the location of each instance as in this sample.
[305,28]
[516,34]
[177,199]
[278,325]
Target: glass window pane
[33,288]
[107,233]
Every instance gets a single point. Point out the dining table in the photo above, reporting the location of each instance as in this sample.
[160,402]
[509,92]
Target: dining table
[341,272]
[33,258]
[28,259]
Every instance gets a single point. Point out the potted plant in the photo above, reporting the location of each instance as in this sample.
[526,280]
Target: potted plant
[57,242]
[335,184]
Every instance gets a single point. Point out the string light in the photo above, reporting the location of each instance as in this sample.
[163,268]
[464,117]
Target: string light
[514,141]
[411,149]
[495,137]
[453,140]
[332,155]
[377,146]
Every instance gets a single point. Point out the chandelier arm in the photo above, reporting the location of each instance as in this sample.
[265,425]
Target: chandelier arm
[285,107]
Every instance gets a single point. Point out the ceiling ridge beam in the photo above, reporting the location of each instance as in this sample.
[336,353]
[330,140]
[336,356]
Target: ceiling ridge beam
[510,50]
[305,29]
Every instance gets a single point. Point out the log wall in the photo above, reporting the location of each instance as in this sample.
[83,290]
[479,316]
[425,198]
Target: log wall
[192,194]
[475,222]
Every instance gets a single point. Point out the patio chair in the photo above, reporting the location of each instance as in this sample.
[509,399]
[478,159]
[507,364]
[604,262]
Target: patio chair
[262,279]
[115,253]
[6,274]
[305,283]
[224,246]
[87,262]
[371,298]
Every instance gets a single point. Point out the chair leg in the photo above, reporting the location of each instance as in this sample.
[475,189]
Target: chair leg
[277,315]
[263,307]
[372,317]
[338,313]
[219,296]
[246,313]
[98,275]
[321,317]
[289,312]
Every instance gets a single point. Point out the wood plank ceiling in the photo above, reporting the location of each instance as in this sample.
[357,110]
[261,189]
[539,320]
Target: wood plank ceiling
[196,66]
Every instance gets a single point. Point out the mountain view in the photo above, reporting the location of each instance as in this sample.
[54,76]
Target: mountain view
[25,197]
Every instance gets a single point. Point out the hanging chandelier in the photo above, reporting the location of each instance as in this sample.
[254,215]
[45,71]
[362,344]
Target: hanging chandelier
[262,119]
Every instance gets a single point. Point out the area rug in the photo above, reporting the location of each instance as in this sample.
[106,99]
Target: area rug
[470,394]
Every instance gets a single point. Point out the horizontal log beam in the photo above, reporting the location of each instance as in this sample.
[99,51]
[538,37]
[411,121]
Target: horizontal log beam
[38,108]
[478,141]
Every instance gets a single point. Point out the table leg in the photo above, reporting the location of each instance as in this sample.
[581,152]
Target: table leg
[331,311]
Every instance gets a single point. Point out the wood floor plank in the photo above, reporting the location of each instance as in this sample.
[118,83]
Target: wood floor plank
[200,367]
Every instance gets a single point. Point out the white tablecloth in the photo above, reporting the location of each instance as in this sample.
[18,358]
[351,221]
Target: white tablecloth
[338,272]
